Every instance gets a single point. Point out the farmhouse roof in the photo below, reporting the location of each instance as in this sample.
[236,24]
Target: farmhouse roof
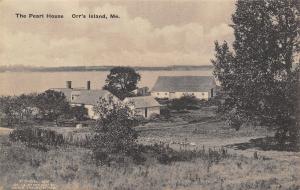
[142,101]
[184,83]
[89,97]
[83,96]
[65,91]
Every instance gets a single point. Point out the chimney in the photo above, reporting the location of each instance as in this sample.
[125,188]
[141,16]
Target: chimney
[69,84]
[88,85]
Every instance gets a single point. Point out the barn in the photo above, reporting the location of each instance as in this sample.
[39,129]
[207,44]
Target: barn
[144,105]
[171,87]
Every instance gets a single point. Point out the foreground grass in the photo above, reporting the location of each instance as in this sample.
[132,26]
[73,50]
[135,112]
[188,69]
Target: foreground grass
[73,168]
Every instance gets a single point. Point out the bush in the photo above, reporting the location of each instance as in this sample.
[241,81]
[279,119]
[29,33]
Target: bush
[165,112]
[114,138]
[166,155]
[163,116]
[37,137]
[140,120]
[80,113]
[52,106]
[28,109]
[16,110]
[112,110]
[113,141]
[162,101]
[154,117]
[185,102]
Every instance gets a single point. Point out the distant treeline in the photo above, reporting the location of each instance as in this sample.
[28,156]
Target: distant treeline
[21,68]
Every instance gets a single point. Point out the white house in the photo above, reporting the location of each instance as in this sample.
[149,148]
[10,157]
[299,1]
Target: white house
[144,105]
[89,98]
[85,96]
[171,87]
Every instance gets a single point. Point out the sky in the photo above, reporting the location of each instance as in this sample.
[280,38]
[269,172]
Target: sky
[148,33]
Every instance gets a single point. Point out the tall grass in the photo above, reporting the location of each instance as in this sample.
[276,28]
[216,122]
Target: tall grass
[74,168]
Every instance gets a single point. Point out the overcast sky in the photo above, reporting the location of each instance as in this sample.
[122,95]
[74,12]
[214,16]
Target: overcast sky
[148,33]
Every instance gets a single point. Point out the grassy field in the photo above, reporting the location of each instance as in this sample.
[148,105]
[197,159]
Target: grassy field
[72,167]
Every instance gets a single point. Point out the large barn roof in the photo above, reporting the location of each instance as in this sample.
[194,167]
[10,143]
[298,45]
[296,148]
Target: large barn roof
[184,83]
[142,101]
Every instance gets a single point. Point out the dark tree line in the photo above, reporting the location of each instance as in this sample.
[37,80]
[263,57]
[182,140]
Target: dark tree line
[258,75]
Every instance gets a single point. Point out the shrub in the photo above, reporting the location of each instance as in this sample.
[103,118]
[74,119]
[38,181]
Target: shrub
[185,102]
[27,109]
[112,110]
[154,117]
[162,101]
[80,113]
[163,116]
[139,119]
[114,136]
[16,110]
[166,155]
[52,106]
[165,112]
[37,137]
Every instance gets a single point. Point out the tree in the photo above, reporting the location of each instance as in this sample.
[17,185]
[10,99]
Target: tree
[26,106]
[114,135]
[110,110]
[16,110]
[258,76]
[7,110]
[52,105]
[121,81]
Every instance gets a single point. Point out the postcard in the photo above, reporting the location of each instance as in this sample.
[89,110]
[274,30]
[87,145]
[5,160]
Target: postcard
[149,95]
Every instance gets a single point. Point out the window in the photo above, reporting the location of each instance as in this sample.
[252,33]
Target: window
[166,93]
[158,93]
[74,96]
[203,94]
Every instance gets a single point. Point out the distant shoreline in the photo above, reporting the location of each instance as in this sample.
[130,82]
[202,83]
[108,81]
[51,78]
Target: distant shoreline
[4,69]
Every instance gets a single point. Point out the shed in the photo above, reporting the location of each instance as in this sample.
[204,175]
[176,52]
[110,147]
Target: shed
[144,105]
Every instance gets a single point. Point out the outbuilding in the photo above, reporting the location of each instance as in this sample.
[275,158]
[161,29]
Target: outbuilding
[144,105]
